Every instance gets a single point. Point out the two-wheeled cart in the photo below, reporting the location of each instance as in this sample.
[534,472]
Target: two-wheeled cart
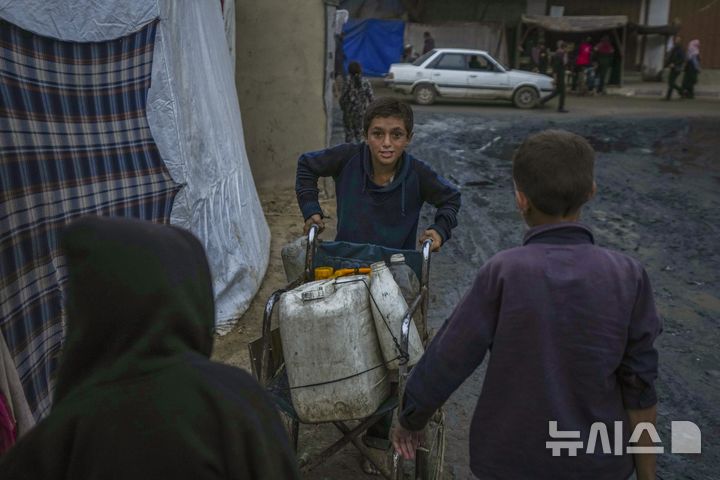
[268,364]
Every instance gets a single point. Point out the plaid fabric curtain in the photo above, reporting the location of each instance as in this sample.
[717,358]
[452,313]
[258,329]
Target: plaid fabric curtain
[74,140]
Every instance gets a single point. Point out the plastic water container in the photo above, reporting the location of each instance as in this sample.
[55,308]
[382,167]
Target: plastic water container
[293,258]
[328,333]
[405,278]
[388,310]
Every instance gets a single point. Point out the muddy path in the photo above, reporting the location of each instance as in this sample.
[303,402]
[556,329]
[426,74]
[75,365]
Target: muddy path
[658,200]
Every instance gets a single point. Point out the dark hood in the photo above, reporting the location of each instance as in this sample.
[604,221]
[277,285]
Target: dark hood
[398,182]
[400,177]
[139,295]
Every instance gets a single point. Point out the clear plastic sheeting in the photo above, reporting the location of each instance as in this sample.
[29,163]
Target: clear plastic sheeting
[79,20]
[195,120]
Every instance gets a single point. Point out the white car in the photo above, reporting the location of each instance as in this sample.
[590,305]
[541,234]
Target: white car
[462,73]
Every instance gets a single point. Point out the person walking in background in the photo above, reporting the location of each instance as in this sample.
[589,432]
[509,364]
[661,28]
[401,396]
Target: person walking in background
[535,57]
[558,62]
[429,42]
[408,54]
[137,395]
[692,69]
[542,64]
[357,94]
[605,53]
[675,62]
[583,64]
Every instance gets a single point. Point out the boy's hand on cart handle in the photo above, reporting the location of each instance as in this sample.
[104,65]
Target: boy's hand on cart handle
[405,441]
[314,220]
[434,236]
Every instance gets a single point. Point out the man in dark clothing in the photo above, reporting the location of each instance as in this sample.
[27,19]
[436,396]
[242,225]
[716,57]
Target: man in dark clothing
[605,54]
[559,62]
[571,327]
[675,62]
[136,394]
[692,69]
[380,188]
[542,57]
[429,42]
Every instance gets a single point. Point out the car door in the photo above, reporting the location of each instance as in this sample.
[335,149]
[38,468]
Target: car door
[486,79]
[448,72]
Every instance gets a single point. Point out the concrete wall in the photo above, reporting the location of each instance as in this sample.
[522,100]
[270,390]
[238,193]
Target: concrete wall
[280,72]
[536,7]
[508,11]
[700,19]
[482,36]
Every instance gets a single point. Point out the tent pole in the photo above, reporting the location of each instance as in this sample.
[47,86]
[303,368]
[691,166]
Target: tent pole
[621,45]
[518,42]
[622,69]
[500,41]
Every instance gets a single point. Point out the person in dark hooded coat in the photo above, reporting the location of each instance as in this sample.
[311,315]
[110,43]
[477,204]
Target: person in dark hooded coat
[136,394]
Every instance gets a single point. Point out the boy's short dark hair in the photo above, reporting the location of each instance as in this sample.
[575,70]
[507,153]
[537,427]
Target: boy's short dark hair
[388,107]
[554,169]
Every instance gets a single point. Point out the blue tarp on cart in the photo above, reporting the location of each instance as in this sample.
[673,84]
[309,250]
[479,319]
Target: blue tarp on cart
[355,255]
[375,44]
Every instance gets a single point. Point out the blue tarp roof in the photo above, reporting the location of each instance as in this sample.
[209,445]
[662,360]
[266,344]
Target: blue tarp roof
[374,44]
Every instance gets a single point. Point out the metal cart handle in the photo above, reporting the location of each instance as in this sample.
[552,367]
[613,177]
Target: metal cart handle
[310,252]
[312,240]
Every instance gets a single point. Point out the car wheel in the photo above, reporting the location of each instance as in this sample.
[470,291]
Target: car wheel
[525,97]
[424,94]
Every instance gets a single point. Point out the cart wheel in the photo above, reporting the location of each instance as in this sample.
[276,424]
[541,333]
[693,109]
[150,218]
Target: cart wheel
[424,94]
[429,461]
[525,97]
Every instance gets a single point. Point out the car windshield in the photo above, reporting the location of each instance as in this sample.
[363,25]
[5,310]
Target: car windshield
[421,59]
[501,64]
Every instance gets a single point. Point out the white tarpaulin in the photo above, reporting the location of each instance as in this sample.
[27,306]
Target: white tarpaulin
[195,120]
[228,11]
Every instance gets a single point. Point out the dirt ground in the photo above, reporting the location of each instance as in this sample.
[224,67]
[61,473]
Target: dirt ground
[658,200]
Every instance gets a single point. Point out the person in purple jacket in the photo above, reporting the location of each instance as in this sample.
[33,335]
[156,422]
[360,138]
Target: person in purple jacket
[571,328]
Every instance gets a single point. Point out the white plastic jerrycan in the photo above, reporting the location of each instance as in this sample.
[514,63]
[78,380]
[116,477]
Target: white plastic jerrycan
[388,310]
[405,277]
[331,350]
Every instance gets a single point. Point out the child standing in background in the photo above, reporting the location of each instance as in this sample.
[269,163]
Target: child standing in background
[357,94]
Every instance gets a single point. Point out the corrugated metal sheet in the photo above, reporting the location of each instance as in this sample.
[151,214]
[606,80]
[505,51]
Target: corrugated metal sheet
[700,19]
[629,8]
[576,24]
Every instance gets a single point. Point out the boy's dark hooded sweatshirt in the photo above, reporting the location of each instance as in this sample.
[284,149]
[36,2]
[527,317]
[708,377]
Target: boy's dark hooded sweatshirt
[368,213]
[136,394]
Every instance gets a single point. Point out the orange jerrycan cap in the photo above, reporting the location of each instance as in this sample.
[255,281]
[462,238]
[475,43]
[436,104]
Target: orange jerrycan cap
[322,273]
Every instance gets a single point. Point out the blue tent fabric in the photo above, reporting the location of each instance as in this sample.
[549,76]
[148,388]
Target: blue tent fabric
[374,44]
